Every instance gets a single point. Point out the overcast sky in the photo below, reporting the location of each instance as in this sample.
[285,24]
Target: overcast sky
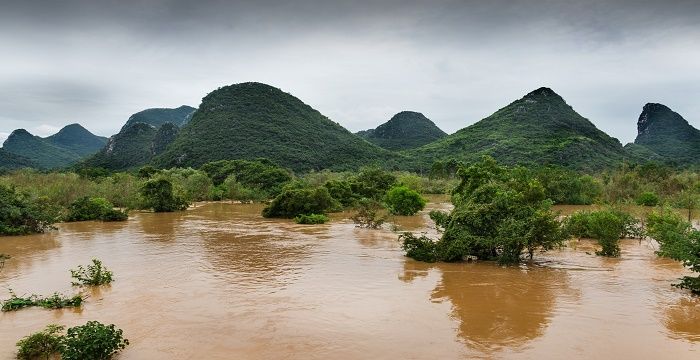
[97,62]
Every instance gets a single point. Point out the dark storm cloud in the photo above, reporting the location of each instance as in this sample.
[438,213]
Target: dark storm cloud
[96,62]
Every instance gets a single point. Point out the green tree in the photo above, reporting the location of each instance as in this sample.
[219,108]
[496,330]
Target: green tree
[372,182]
[677,240]
[158,195]
[21,214]
[300,201]
[648,198]
[87,208]
[401,200]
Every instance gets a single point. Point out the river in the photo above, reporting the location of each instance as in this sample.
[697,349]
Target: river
[220,282]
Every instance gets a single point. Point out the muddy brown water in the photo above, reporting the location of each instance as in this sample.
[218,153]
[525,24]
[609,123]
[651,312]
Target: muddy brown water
[220,282]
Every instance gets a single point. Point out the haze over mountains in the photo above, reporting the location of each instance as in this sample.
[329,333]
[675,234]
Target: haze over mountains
[254,120]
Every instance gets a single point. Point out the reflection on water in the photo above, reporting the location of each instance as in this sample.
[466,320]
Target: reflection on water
[218,282]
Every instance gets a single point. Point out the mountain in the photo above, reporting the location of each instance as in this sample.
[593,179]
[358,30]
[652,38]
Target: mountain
[64,148]
[254,120]
[135,145]
[540,128]
[78,140]
[666,133]
[10,161]
[159,116]
[405,130]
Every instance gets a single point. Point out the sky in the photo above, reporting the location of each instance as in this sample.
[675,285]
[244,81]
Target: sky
[358,62]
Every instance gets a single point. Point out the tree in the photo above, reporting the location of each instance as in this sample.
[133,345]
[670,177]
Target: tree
[677,240]
[92,341]
[21,214]
[87,208]
[372,182]
[158,195]
[300,201]
[401,200]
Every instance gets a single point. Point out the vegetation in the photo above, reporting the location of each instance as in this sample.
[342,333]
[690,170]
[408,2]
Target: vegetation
[94,274]
[405,130]
[372,183]
[92,341]
[401,200]
[55,301]
[648,198]
[158,117]
[44,344]
[369,214]
[607,226]
[10,161]
[300,201]
[158,195]
[499,213]
[21,214]
[677,240]
[666,134]
[64,148]
[130,148]
[87,208]
[311,219]
[252,120]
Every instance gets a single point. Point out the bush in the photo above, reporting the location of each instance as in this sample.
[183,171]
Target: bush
[401,200]
[92,341]
[55,301]
[21,215]
[372,183]
[368,214]
[677,240]
[311,219]
[341,191]
[234,190]
[607,226]
[158,195]
[87,208]
[418,248]
[440,218]
[41,345]
[648,199]
[304,201]
[95,274]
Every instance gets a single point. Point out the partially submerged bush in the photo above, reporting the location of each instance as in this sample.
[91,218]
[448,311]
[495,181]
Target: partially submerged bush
[369,214]
[607,226]
[419,248]
[300,201]
[87,208]
[311,219]
[21,215]
[92,341]
[41,345]
[158,195]
[677,240]
[94,274]
[55,301]
[401,200]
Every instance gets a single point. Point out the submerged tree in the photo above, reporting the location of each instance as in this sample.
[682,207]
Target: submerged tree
[677,240]
[158,195]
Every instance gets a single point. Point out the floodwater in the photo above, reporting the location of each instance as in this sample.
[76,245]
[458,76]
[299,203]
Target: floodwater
[220,282]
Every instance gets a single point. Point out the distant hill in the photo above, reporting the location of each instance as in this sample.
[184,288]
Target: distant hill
[254,120]
[662,131]
[64,148]
[10,161]
[134,146]
[540,128]
[405,130]
[158,116]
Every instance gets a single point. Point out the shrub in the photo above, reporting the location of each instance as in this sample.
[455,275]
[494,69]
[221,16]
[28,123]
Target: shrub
[677,240]
[234,190]
[311,219]
[305,201]
[440,218]
[41,345]
[87,208]
[368,214]
[55,301]
[158,195]
[92,341]
[401,200]
[372,182]
[21,215]
[418,248]
[648,198]
[607,226]
[94,274]
[341,191]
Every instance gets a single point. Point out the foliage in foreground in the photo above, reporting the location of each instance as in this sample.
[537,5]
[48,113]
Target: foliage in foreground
[92,341]
[55,301]
[21,214]
[607,226]
[87,208]
[94,274]
[311,219]
[41,345]
[401,200]
[677,240]
[499,213]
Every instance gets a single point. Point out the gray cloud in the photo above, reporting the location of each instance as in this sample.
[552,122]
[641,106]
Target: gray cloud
[97,62]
